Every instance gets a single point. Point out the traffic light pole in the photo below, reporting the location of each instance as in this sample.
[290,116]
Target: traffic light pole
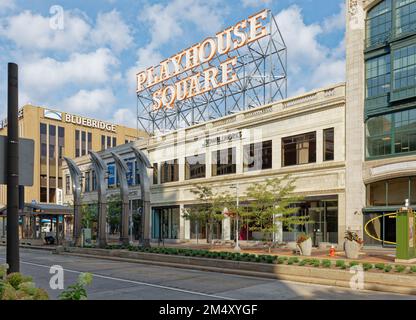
[12,170]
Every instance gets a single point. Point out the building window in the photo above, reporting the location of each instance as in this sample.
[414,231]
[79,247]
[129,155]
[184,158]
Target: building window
[300,149]
[329,144]
[391,134]
[130,173]
[155,173]
[111,175]
[224,162]
[61,143]
[404,67]
[52,142]
[195,167]
[258,156]
[108,142]
[43,195]
[379,24]
[77,151]
[169,171]
[165,223]
[87,181]
[114,142]
[377,76]
[83,143]
[103,142]
[405,16]
[67,184]
[137,176]
[94,180]
[89,141]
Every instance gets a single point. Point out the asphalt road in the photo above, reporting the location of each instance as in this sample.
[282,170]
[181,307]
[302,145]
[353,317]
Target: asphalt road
[113,280]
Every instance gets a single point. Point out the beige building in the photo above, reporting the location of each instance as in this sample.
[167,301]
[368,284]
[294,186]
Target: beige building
[57,135]
[303,136]
[381,115]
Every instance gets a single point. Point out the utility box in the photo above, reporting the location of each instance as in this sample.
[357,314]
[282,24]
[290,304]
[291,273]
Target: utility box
[405,235]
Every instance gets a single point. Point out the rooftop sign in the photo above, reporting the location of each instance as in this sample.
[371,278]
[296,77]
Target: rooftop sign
[237,36]
[241,67]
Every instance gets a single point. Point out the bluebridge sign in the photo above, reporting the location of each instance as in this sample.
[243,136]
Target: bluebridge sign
[241,67]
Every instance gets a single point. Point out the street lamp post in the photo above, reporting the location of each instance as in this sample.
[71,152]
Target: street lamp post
[237,236]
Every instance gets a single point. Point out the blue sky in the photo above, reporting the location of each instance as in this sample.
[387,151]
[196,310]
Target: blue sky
[87,65]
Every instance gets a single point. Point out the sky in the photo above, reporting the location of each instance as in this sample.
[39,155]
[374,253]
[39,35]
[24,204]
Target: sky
[86,62]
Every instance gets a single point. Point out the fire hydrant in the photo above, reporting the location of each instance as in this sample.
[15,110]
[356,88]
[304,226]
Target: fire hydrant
[332,251]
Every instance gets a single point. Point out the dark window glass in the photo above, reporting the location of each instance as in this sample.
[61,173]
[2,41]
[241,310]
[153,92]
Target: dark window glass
[137,178]
[413,191]
[77,151]
[379,24]
[404,67]
[94,181]
[87,181]
[130,173]
[377,76]
[405,131]
[52,142]
[405,16]
[300,149]
[114,142]
[61,144]
[89,141]
[258,156]
[224,162]
[195,167]
[103,142]
[379,136]
[83,143]
[169,171]
[329,144]
[377,196]
[111,175]
[52,195]
[43,195]
[155,173]
[108,142]
[398,191]
[67,184]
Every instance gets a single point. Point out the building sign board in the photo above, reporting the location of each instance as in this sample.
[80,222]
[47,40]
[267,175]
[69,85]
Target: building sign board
[26,161]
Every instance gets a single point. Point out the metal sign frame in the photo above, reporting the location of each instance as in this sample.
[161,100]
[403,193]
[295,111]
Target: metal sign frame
[262,79]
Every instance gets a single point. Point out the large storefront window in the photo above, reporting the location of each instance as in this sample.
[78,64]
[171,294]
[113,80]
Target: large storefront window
[405,16]
[224,162]
[377,72]
[391,134]
[199,228]
[258,156]
[169,171]
[379,24]
[404,67]
[165,223]
[299,149]
[195,167]
[391,192]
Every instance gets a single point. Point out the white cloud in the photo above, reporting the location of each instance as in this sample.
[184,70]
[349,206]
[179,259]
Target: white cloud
[126,117]
[335,22]
[32,32]
[7,4]
[98,101]
[310,64]
[110,29]
[255,3]
[42,76]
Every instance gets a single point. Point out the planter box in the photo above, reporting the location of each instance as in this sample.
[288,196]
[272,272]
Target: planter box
[386,282]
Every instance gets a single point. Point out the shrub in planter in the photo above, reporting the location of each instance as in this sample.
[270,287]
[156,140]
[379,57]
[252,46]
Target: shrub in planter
[281,260]
[412,269]
[399,268]
[388,268]
[367,266]
[305,262]
[353,264]
[292,260]
[352,245]
[304,242]
[340,264]
[315,263]
[326,263]
[379,266]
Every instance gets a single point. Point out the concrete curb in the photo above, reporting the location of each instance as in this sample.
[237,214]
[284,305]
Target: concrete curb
[395,283]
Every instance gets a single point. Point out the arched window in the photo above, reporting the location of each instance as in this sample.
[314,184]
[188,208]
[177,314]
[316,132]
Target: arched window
[379,23]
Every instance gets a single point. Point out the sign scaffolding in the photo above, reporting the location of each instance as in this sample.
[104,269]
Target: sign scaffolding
[244,70]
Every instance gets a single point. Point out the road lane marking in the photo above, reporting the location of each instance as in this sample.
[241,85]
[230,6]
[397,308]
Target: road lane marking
[134,282]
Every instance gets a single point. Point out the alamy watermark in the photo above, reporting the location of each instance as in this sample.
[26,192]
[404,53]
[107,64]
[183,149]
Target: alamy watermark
[57,19]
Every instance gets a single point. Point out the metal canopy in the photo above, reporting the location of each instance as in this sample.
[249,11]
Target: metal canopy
[42,208]
[262,79]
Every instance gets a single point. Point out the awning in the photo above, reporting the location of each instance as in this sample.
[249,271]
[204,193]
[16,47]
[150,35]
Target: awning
[42,209]
[386,209]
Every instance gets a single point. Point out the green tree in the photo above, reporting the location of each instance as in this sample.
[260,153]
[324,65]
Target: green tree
[89,213]
[114,213]
[210,208]
[271,202]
